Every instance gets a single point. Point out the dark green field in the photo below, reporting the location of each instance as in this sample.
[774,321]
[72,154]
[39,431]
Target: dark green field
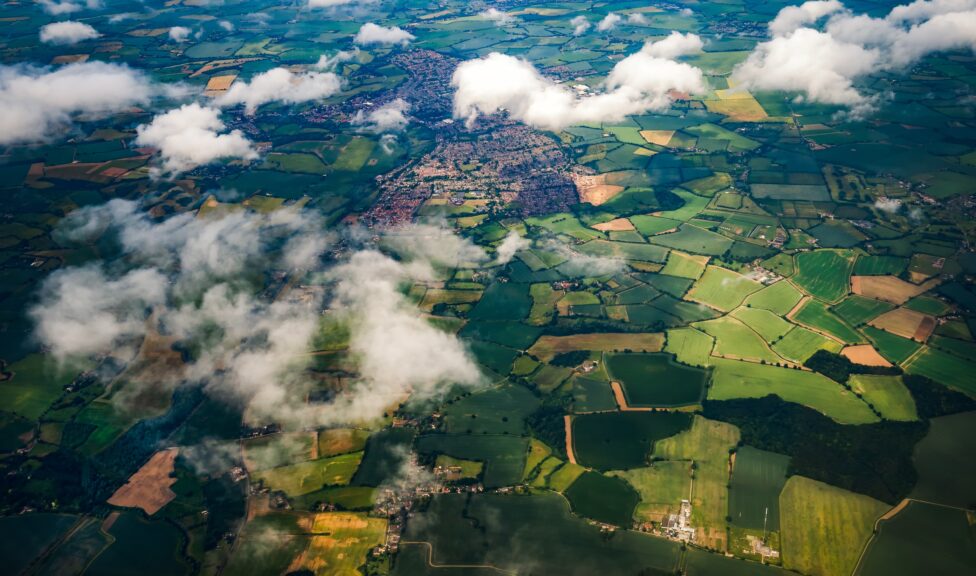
[922,539]
[622,440]
[511,532]
[504,456]
[605,498]
[656,379]
[757,479]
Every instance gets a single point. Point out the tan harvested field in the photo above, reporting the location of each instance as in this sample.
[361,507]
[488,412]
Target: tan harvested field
[149,487]
[548,346]
[617,225]
[738,106]
[219,84]
[889,288]
[594,188]
[659,137]
[568,423]
[217,64]
[70,58]
[906,323]
[865,355]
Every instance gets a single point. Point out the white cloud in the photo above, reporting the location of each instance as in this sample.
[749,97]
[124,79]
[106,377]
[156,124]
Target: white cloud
[580,25]
[889,205]
[637,19]
[67,32]
[190,272]
[280,85]
[371,33]
[609,22]
[227,25]
[38,101]
[512,243]
[824,63]
[337,3]
[640,82]
[390,117]
[68,7]
[189,136]
[329,63]
[497,16]
[179,33]
[811,62]
[85,312]
[792,17]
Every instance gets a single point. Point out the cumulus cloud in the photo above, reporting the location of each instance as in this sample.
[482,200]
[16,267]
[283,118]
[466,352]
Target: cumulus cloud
[848,47]
[179,33]
[68,7]
[38,101]
[584,265]
[637,19]
[390,117]
[792,17]
[512,243]
[609,22]
[580,25]
[371,33]
[280,85]
[497,16]
[889,205]
[399,353]
[329,63]
[227,25]
[67,32]
[187,278]
[190,136]
[640,82]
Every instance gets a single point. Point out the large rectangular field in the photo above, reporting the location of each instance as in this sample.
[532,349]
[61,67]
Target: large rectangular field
[758,478]
[722,289]
[734,379]
[548,346]
[823,527]
[824,274]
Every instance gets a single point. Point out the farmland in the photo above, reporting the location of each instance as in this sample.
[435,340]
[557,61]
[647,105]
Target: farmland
[656,380]
[341,287]
[824,528]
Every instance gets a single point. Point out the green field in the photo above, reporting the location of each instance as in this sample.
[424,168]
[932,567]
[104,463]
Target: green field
[478,530]
[799,344]
[656,380]
[622,440]
[894,348]
[722,289]
[707,444]
[950,439]
[824,274]
[24,537]
[684,265]
[504,456]
[499,410]
[604,498]
[824,528]
[887,394]
[879,265]
[36,383]
[305,477]
[662,486]
[921,539]
[858,310]
[758,478]
[734,379]
[768,325]
[690,346]
[948,369]
[814,314]
[139,542]
[733,339]
[778,298]
[693,239]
